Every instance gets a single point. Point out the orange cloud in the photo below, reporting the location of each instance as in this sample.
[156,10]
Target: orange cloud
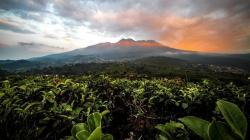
[204,34]
[215,32]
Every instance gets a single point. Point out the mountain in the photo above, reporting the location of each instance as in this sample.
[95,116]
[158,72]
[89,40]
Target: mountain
[137,52]
[125,49]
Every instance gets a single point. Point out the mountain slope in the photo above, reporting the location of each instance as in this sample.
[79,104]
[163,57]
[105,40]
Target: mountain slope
[143,52]
[124,46]
[124,49]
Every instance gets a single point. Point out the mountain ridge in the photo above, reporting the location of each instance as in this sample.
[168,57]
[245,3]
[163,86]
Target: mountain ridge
[125,47]
[127,50]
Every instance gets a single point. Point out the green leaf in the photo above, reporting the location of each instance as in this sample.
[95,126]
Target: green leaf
[67,108]
[197,125]
[94,121]
[184,105]
[23,87]
[70,138]
[1,94]
[107,137]
[170,127]
[105,112]
[78,127]
[96,134]
[219,131]
[41,130]
[161,137]
[82,135]
[164,132]
[30,105]
[162,128]
[234,117]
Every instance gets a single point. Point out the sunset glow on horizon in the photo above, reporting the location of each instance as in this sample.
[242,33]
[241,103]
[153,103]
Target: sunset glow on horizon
[30,28]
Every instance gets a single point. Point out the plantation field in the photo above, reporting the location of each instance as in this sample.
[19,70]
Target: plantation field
[47,107]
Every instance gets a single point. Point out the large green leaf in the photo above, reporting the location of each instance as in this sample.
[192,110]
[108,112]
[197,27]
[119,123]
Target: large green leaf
[77,128]
[197,125]
[83,135]
[220,131]
[107,137]
[234,117]
[94,121]
[96,134]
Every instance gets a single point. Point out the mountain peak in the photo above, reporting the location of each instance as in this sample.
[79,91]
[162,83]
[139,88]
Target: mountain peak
[127,40]
[140,43]
[147,41]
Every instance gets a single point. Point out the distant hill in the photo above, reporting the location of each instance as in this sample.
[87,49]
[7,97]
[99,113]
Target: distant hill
[148,65]
[19,65]
[232,60]
[157,66]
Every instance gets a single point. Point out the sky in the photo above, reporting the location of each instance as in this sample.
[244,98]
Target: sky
[30,28]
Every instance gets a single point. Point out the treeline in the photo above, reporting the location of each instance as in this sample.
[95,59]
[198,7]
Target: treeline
[143,70]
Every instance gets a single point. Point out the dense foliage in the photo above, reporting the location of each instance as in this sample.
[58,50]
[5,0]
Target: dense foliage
[233,128]
[47,107]
[91,129]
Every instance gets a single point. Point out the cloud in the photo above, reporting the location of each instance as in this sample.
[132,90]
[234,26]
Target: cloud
[15,27]
[25,50]
[40,48]
[203,25]
[27,5]
[27,9]
[200,25]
